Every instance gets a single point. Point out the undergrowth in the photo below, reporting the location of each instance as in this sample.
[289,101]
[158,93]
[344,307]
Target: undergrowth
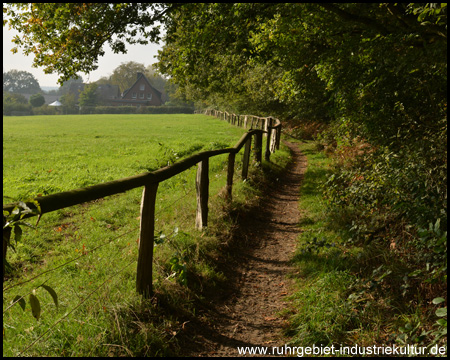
[371,290]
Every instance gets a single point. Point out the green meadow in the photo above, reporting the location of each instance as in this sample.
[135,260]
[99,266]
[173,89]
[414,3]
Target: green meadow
[48,154]
[88,253]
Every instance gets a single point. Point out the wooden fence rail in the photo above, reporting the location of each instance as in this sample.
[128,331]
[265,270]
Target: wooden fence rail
[150,181]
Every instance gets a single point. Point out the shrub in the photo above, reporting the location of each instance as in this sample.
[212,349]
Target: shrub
[45,110]
[37,100]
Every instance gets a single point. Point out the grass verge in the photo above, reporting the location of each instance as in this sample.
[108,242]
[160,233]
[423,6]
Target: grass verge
[347,294]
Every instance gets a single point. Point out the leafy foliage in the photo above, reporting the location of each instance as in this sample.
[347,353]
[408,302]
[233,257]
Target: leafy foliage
[21,82]
[69,38]
[15,103]
[37,100]
[88,97]
[14,221]
[125,74]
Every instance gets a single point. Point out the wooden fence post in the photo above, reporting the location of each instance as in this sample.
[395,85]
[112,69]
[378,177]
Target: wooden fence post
[145,258]
[278,137]
[258,146]
[246,158]
[202,184]
[269,137]
[230,174]
[273,142]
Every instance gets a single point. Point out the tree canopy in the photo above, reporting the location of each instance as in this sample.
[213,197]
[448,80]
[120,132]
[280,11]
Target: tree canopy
[88,97]
[125,76]
[307,59]
[376,71]
[69,38]
[21,82]
[37,100]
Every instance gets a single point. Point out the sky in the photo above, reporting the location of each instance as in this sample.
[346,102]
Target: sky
[144,54]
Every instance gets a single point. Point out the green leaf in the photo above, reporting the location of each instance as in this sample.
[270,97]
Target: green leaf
[52,293]
[415,273]
[438,300]
[159,239]
[21,301]
[441,312]
[35,306]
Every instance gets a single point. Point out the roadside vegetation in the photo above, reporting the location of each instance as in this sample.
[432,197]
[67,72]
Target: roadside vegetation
[363,288]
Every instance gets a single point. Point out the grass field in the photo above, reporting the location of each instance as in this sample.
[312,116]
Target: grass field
[88,253]
[48,154]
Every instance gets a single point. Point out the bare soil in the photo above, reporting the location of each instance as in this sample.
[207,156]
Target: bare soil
[247,312]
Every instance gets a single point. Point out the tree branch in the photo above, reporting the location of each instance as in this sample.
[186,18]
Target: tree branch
[356,18]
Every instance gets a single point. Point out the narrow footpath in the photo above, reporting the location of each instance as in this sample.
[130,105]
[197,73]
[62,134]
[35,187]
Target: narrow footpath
[248,315]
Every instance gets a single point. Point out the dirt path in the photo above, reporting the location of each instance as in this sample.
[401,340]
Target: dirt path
[247,314]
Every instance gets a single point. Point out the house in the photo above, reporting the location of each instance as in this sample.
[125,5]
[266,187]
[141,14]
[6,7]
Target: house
[141,93]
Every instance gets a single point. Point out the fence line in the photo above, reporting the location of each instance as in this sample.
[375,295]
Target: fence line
[150,181]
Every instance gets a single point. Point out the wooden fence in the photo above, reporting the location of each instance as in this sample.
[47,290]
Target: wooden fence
[150,181]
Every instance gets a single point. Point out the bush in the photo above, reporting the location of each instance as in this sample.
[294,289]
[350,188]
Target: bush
[15,109]
[37,100]
[15,104]
[46,110]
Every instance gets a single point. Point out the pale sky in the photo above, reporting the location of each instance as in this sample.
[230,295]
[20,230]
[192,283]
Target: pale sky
[144,54]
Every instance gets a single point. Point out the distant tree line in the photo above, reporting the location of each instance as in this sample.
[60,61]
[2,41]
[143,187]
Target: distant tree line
[17,83]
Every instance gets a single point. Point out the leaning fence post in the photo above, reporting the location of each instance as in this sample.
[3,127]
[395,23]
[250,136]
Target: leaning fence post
[202,184]
[147,232]
[246,159]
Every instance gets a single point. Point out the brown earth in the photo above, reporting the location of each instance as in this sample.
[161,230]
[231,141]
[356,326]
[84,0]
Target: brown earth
[247,313]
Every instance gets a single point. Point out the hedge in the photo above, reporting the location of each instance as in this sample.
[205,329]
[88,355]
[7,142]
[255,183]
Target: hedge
[137,110]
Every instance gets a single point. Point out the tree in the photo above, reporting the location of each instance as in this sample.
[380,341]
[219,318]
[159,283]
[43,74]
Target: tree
[157,81]
[376,71]
[37,100]
[317,56]
[125,74]
[21,82]
[88,97]
[65,87]
[68,38]
[69,101]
